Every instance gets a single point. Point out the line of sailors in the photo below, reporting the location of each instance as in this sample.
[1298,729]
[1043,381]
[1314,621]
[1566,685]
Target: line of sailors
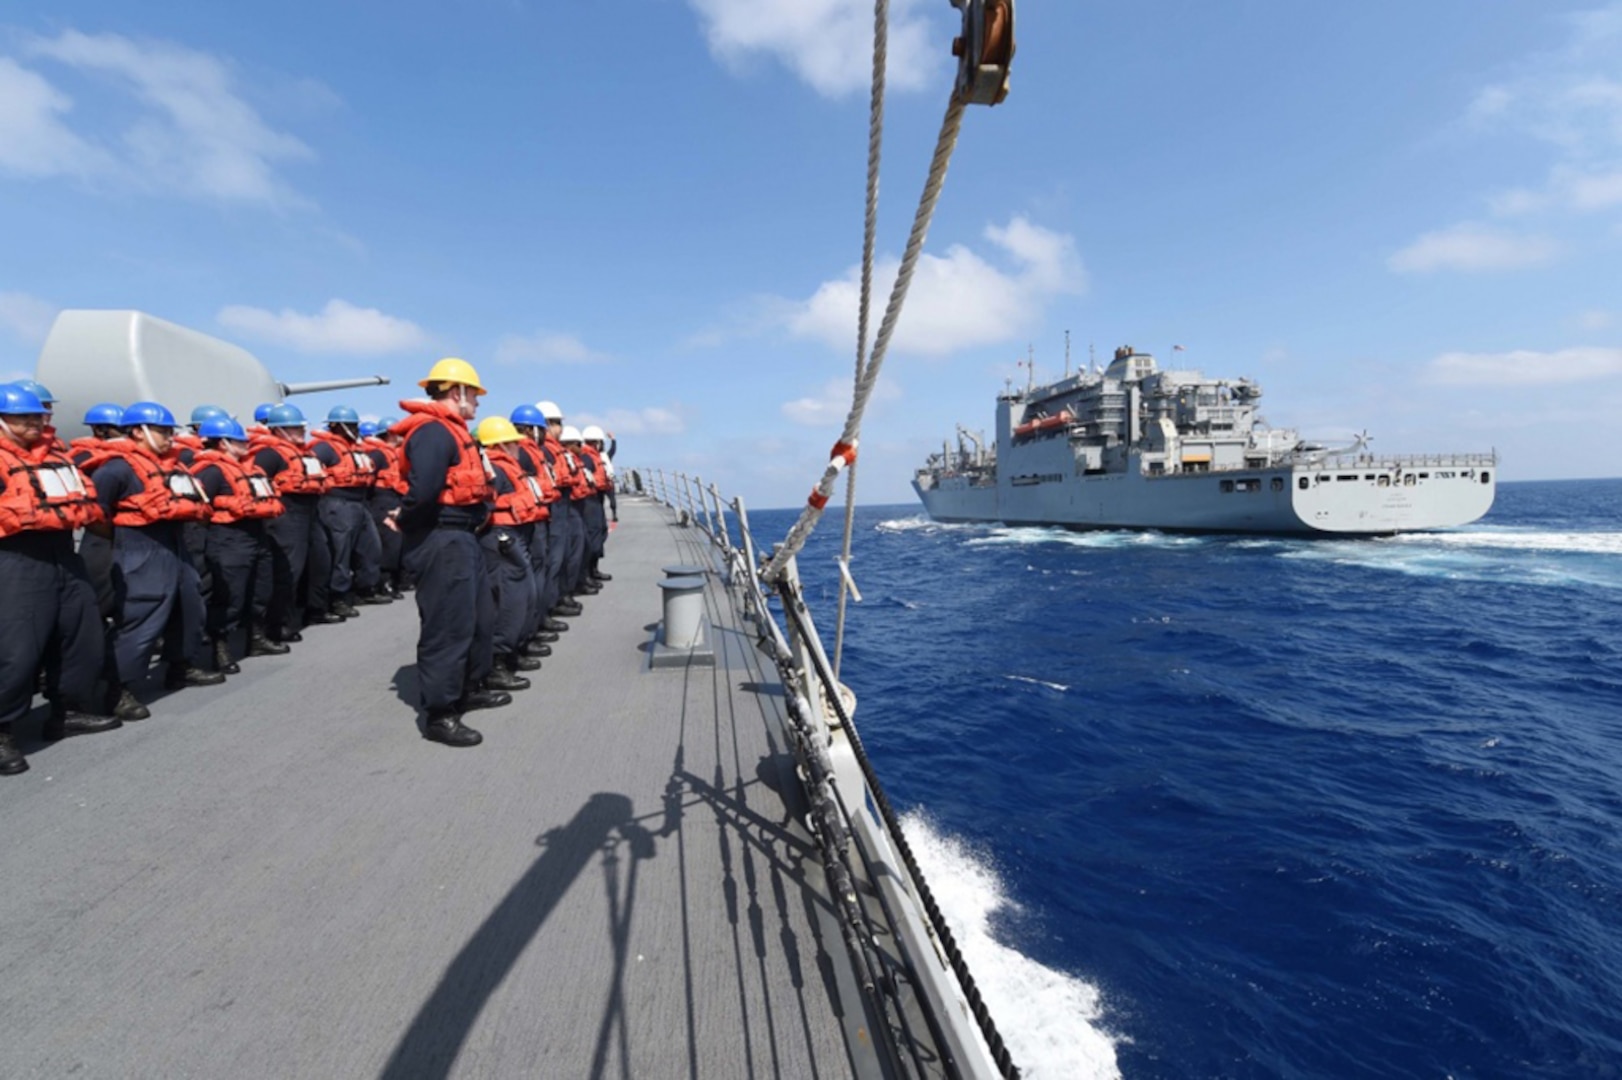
[188,542]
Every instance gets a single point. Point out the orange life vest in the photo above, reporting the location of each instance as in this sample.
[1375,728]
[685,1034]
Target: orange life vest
[355,468]
[389,475]
[249,494]
[599,474]
[566,467]
[304,474]
[544,475]
[44,491]
[168,492]
[467,482]
[185,440]
[524,505]
[88,446]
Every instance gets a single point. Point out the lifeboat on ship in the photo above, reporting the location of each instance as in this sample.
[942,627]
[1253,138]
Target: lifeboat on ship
[1044,424]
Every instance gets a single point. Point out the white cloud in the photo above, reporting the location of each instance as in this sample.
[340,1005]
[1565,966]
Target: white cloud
[340,327]
[958,300]
[1525,367]
[829,44]
[194,134]
[34,141]
[27,317]
[1595,319]
[1472,247]
[545,348]
[830,406]
[652,420]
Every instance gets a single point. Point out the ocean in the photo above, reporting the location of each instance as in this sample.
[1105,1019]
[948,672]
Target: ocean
[1251,807]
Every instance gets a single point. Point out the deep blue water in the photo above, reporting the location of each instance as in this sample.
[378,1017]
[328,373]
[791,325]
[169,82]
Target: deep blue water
[1294,808]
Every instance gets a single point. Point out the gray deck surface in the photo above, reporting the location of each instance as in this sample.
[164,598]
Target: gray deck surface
[280,877]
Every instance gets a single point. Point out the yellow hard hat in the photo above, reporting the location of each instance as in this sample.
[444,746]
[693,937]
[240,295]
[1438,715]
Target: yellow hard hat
[452,370]
[496,429]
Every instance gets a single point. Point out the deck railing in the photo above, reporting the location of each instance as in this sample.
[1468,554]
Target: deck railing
[857,832]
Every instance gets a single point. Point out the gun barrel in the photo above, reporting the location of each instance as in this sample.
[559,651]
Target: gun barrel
[289,389]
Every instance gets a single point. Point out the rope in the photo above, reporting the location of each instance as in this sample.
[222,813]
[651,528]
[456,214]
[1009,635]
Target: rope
[794,542]
[875,143]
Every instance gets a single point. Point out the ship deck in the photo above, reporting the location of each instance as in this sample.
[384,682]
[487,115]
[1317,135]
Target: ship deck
[280,877]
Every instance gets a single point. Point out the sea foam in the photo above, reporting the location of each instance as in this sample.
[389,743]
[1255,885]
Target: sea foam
[1050,1021]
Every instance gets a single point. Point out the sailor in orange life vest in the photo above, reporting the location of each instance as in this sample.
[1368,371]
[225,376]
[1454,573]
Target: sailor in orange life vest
[582,498]
[519,508]
[146,493]
[597,506]
[97,550]
[48,598]
[281,454]
[238,549]
[539,423]
[448,484]
[357,551]
[384,448]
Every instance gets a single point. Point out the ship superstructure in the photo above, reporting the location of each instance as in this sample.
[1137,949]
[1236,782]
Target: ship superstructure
[1135,446]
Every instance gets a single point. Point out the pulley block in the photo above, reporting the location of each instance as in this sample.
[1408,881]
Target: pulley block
[985,51]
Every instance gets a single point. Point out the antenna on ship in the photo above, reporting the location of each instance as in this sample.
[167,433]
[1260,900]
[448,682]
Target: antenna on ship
[1067,354]
[1030,366]
[1092,359]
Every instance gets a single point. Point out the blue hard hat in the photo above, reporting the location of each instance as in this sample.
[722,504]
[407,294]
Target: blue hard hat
[38,389]
[104,414]
[342,414]
[528,415]
[368,428]
[147,412]
[284,416]
[262,411]
[387,422]
[221,427]
[18,400]
[206,412]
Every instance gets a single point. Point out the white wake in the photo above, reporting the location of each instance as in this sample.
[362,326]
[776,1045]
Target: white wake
[1049,1020]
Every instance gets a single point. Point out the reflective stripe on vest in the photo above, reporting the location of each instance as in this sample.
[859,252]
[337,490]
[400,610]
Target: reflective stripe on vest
[44,491]
[249,495]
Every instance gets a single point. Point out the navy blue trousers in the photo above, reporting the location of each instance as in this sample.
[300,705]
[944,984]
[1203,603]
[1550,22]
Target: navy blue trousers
[277,601]
[575,561]
[357,550]
[237,556]
[49,614]
[159,594]
[507,570]
[456,613]
[557,552]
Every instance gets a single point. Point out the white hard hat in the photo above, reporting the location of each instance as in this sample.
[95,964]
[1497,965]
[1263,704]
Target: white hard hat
[570,434]
[592,433]
[550,410]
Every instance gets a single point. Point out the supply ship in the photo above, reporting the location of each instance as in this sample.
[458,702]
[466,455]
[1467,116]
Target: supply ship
[1138,447]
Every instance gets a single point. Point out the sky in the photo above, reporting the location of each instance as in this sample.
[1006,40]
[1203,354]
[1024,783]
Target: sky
[1399,217]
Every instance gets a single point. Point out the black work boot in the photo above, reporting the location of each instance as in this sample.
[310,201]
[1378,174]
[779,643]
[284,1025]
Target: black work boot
[598,575]
[371,598]
[180,675]
[12,761]
[342,606]
[520,662]
[566,608]
[64,723]
[128,708]
[553,627]
[447,727]
[538,648]
[502,679]
[323,618]
[223,661]
[260,645]
[485,699]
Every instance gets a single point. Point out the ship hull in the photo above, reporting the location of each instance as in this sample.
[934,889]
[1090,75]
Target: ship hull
[1288,500]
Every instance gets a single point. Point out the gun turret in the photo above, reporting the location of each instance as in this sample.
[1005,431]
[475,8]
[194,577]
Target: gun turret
[125,356]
